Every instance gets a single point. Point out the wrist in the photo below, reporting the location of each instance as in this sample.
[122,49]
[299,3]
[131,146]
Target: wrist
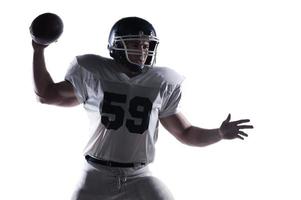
[220,133]
[38,52]
[38,47]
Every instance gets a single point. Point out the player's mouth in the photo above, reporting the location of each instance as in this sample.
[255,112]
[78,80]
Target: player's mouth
[138,59]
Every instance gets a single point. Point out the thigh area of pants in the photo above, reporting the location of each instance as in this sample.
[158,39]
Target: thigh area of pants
[101,182]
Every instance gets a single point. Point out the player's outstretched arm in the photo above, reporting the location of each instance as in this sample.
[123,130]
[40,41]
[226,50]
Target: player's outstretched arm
[180,127]
[61,94]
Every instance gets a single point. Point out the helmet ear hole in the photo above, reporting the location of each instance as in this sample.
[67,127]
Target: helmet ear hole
[118,44]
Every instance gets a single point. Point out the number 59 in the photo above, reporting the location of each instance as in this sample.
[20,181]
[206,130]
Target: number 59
[139,108]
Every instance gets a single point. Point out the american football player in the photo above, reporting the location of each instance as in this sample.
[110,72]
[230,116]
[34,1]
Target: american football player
[126,97]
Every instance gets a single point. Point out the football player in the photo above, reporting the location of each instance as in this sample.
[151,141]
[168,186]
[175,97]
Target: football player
[126,98]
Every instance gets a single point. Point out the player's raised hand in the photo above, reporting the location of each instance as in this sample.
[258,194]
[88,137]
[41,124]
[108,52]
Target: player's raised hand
[232,130]
[37,46]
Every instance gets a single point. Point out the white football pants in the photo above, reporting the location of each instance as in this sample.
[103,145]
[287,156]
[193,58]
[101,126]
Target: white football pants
[113,183]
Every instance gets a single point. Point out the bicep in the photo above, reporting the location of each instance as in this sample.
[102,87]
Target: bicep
[176,124]
[61,94]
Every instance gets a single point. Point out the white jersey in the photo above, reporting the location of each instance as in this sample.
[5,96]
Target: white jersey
[124,111]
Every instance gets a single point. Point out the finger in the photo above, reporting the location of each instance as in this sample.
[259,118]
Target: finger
[238,136]
[241,121]
[38,44]
[242,133]
[35,44]
[244,126]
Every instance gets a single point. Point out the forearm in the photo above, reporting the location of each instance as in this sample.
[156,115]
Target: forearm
[196,136]
[42,78]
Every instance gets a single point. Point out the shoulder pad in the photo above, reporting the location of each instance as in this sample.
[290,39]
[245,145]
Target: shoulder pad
[89,59]
[169,75]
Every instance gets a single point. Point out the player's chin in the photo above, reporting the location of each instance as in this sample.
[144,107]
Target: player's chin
[138,61]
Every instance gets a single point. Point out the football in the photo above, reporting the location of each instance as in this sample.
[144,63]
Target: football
[46,28]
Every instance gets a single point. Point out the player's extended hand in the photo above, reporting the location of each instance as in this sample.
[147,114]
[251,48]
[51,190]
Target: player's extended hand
[231,130]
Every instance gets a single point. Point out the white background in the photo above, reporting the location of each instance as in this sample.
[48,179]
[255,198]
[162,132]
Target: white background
[239,57]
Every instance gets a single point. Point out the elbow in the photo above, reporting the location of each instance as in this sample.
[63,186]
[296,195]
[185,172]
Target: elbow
[56,101]
[43,99]
[183,136]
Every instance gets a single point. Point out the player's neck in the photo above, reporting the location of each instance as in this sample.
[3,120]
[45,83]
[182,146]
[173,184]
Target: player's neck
[127,71]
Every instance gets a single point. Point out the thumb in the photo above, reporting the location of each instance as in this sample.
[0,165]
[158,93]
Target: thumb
[228,118]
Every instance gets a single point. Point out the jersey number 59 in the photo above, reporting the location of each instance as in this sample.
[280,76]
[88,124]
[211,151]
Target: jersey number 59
[139,109]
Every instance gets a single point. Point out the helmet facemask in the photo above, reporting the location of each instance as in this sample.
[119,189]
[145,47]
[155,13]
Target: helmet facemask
[125,34]
[130,49]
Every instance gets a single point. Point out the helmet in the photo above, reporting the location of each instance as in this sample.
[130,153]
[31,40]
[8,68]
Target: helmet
[132,29]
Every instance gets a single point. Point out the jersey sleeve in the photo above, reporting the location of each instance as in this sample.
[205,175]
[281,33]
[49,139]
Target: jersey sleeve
[171,104]
[172,95]
[77,77]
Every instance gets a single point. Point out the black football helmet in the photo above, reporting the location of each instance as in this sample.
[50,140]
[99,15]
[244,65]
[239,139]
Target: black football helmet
[132,29]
